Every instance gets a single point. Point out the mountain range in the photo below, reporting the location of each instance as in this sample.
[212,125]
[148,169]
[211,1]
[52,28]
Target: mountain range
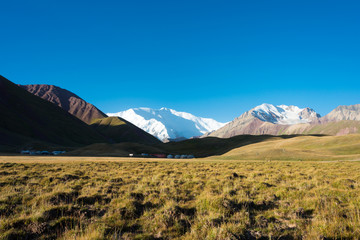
[265,119]
[113,129]
[282,114]
[170,125]
[58,118]
[46,115]
[167,124]
[282,119]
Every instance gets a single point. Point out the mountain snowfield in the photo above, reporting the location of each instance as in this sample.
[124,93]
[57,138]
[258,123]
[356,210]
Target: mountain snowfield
[168,124]
[283,114]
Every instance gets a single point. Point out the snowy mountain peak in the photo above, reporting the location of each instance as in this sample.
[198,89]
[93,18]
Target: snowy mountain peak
[168,124]
[283,114]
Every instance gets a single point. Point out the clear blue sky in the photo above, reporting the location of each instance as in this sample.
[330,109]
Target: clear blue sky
[211,58]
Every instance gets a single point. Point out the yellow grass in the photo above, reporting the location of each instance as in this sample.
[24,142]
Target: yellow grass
[122,198]
[300,148]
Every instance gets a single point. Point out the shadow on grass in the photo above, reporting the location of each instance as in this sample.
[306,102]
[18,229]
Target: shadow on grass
[212,146]
[199,147]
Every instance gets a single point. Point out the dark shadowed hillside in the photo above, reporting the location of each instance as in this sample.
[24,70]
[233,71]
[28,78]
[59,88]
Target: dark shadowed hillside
[26,118]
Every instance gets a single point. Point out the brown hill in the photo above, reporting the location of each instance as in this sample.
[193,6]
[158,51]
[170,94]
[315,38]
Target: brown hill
[26,118]
[246,124]
[67,100]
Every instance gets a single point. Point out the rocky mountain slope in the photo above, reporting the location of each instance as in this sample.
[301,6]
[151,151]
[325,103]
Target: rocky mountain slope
[280,120]
[266,119]
[168,124]
[351,112]
[67,100]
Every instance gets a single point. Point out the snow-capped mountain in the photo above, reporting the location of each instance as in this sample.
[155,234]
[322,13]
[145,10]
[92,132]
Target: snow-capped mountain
[282,114]
[267,119]
[168,124]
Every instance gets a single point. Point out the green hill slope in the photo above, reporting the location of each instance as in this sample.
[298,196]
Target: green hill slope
[209,146]
[300,148]
[120,130]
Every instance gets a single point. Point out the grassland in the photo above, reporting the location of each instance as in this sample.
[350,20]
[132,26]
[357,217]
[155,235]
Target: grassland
[244,147]
[299,148]
[118,198]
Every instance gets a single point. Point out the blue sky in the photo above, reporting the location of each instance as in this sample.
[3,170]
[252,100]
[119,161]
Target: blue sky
[211,58]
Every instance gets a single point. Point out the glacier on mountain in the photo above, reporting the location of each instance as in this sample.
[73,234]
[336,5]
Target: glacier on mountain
[283,114]
[168,124]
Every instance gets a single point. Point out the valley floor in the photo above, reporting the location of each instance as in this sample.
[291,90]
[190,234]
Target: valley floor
[122,198]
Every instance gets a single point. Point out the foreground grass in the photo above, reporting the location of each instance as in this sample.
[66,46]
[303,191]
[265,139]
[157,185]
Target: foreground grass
[45,198]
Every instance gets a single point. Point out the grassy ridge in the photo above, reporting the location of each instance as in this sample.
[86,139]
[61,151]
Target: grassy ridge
[73,198]
[202,147]
[119,130]
[199,147]
[209,146]
[300,148]
[244,147]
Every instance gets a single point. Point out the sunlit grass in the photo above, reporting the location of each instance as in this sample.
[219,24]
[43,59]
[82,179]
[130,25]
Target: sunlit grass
[110,198]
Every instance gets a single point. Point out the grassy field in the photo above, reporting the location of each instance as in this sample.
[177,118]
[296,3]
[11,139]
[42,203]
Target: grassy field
[244,147]
[300,148]
[114,198]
